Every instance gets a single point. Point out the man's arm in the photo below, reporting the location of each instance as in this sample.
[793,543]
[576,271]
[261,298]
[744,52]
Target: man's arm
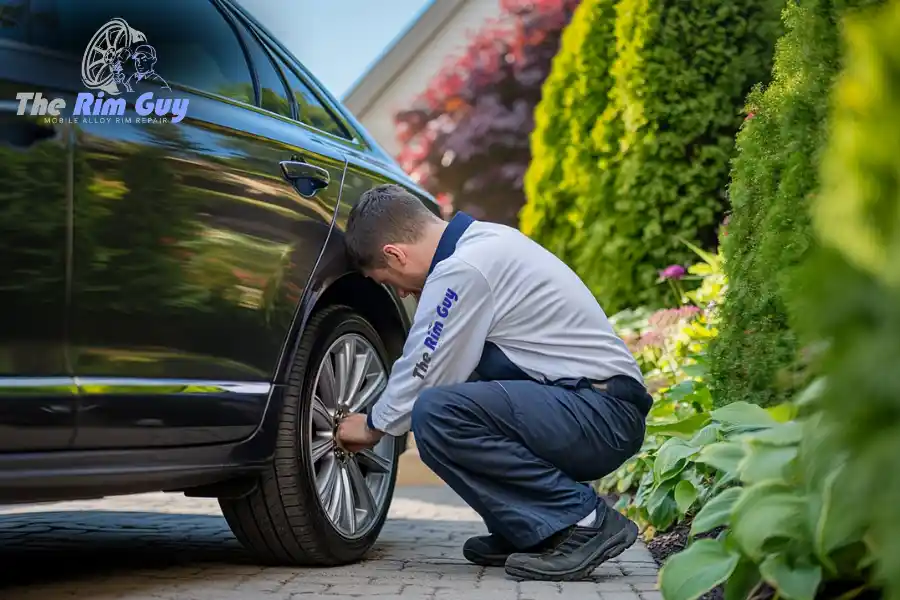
[445,342]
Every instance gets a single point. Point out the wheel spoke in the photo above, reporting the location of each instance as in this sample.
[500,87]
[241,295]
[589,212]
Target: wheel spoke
[344,366]
[361,364]
[334,499]
[325,480]
[323,419]
[365,500]
[375,463]
[369,394]
[347,510]
[328,392]
[322,444]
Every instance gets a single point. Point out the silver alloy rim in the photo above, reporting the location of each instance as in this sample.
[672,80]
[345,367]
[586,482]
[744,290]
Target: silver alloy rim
[352,488]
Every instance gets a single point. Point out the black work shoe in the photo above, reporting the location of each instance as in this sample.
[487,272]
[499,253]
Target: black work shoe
[579,551]
[493,550]
[487,550]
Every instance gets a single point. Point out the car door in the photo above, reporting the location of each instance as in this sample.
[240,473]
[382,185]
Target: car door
[37,396]
[191,247]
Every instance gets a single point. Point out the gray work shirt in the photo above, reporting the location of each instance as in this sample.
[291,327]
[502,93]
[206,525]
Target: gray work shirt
[491,283]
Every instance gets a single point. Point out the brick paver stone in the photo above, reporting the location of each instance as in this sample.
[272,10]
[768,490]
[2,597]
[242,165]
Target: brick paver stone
[168,547]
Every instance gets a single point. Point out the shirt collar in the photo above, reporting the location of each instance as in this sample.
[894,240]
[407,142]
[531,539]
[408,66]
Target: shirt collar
[447,245]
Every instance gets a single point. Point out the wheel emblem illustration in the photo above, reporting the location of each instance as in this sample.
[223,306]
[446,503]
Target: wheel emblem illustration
[102,63]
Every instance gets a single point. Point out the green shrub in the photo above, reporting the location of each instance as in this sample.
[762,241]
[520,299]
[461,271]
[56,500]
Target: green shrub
[636,156]
[773,178]
[851,294]
[563,150]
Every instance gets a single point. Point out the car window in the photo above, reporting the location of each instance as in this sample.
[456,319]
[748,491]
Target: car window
[273,95]
[311,111]
[180,41]
[13,20]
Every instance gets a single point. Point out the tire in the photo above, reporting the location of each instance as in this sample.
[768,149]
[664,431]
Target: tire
[283,522]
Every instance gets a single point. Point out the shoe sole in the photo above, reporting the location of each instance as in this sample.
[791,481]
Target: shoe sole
[482,560]
[613,548]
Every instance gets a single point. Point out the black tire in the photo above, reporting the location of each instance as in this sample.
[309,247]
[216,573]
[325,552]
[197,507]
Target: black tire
[282,521]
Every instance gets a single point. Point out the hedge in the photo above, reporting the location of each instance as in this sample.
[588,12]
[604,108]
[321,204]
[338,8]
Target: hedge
[773,177]
[851,288]
[644,156]
[563,149]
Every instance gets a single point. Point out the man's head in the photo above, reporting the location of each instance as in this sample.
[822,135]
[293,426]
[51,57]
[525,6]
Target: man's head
[391,237]
[144,58]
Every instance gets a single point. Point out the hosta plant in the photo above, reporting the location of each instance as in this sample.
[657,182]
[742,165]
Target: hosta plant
[779,498]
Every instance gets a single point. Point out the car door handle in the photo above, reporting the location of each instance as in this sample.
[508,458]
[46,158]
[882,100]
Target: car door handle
[307,178]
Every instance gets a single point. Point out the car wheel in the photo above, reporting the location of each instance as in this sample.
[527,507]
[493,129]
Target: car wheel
[317,505]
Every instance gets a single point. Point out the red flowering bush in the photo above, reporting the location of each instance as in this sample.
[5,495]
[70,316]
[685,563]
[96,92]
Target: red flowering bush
[466,138]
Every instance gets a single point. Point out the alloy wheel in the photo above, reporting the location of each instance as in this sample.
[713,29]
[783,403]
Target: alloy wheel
[352,487]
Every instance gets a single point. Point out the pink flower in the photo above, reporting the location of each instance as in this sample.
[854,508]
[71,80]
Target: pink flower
[668,317]
[672,272]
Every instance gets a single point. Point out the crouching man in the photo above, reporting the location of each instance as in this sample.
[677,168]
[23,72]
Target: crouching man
[512,380]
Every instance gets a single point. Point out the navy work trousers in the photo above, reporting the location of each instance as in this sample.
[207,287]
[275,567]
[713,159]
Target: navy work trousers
[518,451]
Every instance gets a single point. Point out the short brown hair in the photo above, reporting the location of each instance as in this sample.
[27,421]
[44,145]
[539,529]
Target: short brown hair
[386,214]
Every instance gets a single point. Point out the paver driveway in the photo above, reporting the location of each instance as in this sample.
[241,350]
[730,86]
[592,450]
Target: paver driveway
[168,547]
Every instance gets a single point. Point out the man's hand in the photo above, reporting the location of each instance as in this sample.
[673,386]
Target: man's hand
[354,434]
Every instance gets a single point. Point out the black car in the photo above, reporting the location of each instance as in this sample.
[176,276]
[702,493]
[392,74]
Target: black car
[176,308]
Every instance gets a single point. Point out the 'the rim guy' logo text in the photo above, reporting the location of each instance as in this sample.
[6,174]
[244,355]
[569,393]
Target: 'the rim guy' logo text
[87,105]
[434,332]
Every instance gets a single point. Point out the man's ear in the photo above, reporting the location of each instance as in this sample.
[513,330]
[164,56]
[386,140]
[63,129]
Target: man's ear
[392,252]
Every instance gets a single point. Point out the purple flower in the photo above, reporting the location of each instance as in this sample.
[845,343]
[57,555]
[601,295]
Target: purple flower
[672,272]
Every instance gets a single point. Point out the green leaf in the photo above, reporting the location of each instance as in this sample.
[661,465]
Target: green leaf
[716,512]
[799,582]
[689,574]
[838,522]
[743,415]
[672,458]
[645,489]
[681,389]
[685,495]
[767,511]
[784,412]
[685,428]
[812,392]
[724,456]
[695,370]
[661,508]
[623,502]
[706,436]
[763,462]
[624,483]
[701,399]
[783,434]
[708,258]
[742,581]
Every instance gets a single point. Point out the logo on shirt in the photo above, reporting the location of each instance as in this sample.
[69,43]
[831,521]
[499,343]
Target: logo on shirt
[435,329]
